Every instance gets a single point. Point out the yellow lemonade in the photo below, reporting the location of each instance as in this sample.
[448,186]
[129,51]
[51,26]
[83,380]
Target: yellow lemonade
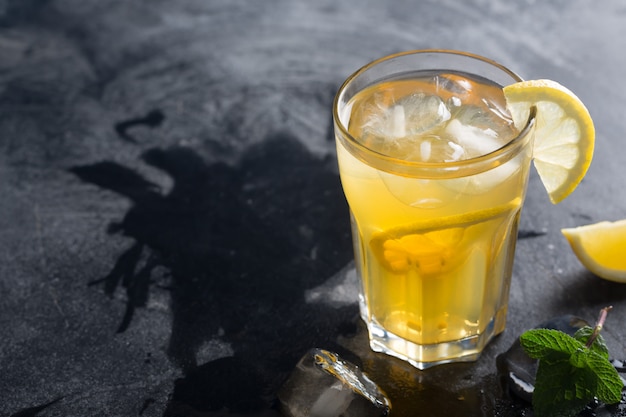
[435,204]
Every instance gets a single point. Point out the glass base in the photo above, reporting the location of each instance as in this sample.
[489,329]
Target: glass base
[426,356]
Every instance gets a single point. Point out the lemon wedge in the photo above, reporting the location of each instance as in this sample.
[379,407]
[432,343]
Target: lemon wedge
[564,133]
[601,248]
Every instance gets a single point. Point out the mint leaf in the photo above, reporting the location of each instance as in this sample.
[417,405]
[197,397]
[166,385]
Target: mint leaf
[579,358]
[559,391]
[583,334]
[572,370]
[549,343]
[609,386]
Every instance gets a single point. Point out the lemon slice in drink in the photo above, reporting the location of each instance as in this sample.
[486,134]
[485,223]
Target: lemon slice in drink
[601,247]
[431,246]
[564,133]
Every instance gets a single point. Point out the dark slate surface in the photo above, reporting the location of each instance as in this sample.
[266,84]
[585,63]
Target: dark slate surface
[173,231]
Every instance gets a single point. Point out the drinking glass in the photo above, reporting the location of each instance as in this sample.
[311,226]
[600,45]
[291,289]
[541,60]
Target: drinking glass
[434,236]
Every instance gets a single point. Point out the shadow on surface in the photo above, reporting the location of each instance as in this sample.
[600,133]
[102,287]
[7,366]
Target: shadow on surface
[589,289]
[241,245]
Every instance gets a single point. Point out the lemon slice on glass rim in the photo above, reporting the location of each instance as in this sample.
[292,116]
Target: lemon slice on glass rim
[564,133]
[601,247]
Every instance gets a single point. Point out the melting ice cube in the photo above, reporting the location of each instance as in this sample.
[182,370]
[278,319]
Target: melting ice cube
[324,385]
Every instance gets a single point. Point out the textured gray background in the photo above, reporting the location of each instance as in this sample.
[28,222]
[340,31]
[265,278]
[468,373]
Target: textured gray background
[244,151]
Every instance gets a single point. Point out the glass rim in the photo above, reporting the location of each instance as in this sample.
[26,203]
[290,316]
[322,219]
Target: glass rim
[420,166]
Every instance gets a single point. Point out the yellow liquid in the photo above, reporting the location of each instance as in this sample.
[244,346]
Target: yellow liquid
[434,254]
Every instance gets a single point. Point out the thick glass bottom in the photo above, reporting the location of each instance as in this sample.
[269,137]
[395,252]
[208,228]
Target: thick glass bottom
[425,356]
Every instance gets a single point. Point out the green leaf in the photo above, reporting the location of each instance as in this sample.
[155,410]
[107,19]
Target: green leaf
[570,374]
[599,346]
[560,389]
[572,370]
[579,358]
[609,385]
[549,343]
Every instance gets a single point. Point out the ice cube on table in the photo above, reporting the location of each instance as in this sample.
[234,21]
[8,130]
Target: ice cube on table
[324,385]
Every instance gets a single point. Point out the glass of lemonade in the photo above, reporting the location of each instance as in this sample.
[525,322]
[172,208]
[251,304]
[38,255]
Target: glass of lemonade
[435,175]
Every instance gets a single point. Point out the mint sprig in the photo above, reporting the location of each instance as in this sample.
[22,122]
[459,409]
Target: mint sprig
[572,370]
